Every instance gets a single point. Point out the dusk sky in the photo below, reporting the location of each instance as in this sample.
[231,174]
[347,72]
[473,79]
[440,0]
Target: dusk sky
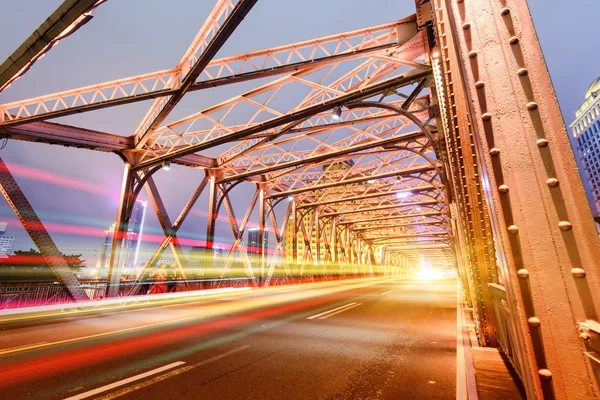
[79,188]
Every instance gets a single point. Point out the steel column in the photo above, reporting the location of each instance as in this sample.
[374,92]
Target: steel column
[548,244]
[121,224]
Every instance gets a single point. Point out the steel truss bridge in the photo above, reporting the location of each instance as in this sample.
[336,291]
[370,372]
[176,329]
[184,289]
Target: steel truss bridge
[434,137]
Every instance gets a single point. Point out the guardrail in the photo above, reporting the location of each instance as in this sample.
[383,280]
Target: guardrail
[16,294]
[506,332]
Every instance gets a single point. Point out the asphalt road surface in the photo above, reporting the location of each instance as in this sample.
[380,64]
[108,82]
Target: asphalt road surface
[368,339]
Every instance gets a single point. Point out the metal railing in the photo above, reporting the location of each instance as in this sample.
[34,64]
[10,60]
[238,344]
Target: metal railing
[506,331]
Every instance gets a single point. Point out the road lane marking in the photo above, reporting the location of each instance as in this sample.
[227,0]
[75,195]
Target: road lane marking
[97,335]
[142,327]
[23,347]
[337,312]
[330,311]
[389,291]
[170,374]
[125,381]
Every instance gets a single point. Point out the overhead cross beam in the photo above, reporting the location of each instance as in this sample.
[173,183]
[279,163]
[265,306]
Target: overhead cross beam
[207,43]
[351,181]
[379,207]
[65,20]
[292,116]
[218,72]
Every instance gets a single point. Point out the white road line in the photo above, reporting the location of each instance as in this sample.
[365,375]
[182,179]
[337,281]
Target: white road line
[337,312]
[389,291]
[330,311]
[18,348]
[159,378]
[125,381]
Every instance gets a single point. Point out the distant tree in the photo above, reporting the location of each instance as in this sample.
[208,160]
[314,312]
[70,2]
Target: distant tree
[30,265]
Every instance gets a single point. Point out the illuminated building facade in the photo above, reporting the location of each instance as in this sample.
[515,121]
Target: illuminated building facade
[254,241]
[131,244]
[586,144]
[6,242]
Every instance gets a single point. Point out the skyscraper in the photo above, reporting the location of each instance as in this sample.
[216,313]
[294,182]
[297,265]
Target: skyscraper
[130,248]
[132,242]
[253,241]
[104,254]
[6,242]
[586,144]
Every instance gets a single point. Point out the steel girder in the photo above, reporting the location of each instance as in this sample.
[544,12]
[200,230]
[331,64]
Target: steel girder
[543,233]
[65,20]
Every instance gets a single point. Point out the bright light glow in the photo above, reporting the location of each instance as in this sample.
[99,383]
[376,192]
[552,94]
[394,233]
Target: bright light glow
[435,53]
[428,274]
[371,181]
[290,198]
[336,114]
[166,165]
[403,195]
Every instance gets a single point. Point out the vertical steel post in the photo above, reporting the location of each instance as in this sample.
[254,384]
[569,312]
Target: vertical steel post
[213,214]
[121,224]
[318,238]
[294,217]
[261,231]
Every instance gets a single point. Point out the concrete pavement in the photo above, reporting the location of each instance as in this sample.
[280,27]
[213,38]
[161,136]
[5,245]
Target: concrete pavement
[377,339]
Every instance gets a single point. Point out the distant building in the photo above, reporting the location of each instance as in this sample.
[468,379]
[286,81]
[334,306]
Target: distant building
[104,254]
[130,249]
[131,245]
[254,241]
[197,256]
[6,242]
[586,144]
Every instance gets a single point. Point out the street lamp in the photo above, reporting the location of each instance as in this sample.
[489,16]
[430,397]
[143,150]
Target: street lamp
[336,114]
[166,165]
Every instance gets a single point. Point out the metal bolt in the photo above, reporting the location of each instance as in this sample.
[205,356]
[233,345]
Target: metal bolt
[545,374]
[542,143]
[532,106]
[552,182]
[522,71]
[466,26]
[494,151]
[533,322]
[486,116]
[513,40]
[578,273]
[479,84]
[523,273]
[513,229]
[503,188]
[472,54]
[505,11]
[565,226]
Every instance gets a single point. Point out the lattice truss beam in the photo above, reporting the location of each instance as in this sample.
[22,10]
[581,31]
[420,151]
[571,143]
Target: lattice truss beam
[376,162]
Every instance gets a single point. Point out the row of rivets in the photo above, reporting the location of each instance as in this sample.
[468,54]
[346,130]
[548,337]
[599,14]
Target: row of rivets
[512,229]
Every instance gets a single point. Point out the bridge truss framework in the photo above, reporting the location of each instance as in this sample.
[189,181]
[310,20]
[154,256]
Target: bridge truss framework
[435,137]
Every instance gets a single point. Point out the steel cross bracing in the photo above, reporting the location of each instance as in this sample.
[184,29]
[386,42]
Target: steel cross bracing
[437,116]
[288,149]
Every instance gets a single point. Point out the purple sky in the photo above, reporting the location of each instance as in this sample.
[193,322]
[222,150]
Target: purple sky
[136,36]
